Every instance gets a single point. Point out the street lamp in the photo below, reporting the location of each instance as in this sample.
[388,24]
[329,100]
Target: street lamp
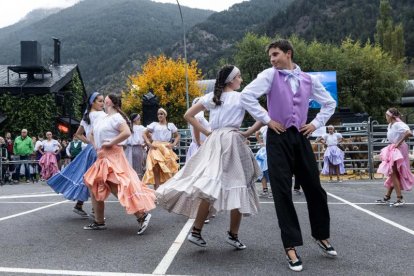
[185,57]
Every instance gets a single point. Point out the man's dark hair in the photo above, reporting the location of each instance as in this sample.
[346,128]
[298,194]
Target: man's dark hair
[283,44]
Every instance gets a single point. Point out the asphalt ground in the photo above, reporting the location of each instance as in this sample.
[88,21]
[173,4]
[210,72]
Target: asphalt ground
[40,235]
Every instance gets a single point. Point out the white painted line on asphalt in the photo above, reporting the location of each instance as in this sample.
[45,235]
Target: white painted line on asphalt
[31,211]
[67,272]
[408,230]
[165,263]
[27,196]
[334,203]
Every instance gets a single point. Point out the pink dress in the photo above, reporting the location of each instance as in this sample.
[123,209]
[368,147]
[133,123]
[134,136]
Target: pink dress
[391,155]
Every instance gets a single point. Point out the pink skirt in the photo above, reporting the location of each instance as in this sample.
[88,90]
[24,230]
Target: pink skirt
[48,163]
[113,167]
[390,156]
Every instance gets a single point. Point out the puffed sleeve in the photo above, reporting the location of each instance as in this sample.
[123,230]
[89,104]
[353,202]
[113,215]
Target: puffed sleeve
[117,121]
[207,101]
[172,127]
[151,127]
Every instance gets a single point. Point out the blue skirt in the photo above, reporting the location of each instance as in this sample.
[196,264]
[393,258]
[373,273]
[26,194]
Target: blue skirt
[69,181]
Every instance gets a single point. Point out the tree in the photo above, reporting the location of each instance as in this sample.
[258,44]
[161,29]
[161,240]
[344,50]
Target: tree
[389,37]
[166,77]
[251,56]
[368,79]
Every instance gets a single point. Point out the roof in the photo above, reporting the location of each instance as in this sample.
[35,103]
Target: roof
[51,83]
[68,120]
[206,86]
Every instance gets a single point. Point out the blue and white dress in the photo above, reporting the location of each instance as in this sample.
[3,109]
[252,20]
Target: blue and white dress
[69,181]
[261,155]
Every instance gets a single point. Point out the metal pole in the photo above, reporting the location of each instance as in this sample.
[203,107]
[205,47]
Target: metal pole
[185,58]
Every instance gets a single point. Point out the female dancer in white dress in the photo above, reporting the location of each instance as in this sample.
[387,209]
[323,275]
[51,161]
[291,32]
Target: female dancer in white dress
[111,172]
[135,151]
[221,175]
[69,181]
[161,162]
[333,158]
[395,163]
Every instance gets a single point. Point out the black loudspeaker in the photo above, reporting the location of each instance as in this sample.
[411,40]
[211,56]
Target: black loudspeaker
[150,105]
[30,53]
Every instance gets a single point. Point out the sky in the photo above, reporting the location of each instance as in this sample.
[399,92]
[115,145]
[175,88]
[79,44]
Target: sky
[11,11]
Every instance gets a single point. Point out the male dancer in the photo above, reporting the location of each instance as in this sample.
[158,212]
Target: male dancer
[289,152]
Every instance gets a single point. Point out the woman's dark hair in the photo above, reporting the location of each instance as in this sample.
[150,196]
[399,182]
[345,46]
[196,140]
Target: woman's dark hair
[283,44]
[221,82]
[132,117]
[116,100]
[89,107]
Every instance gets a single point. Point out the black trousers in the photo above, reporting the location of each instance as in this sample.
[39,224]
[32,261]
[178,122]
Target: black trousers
[289,154]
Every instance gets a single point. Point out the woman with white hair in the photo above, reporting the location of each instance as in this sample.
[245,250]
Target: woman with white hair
[161,159]
[197,138]
[333,159]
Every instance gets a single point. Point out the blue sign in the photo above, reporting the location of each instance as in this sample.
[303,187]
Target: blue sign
[328,80]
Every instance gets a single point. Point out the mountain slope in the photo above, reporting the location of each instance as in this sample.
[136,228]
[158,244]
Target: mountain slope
[214,38]
[103,36]
[333,20]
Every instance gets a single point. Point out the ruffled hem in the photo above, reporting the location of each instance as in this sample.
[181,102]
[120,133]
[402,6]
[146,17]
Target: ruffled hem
[112,167]
[391,155]
[68,188]
[48,163]
[165,158]
[69,181]
[184,196]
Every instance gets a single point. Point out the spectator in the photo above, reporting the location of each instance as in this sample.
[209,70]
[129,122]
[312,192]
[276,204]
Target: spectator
[74,147]
[37,148]
[9,145]
[3,156]
[23,148]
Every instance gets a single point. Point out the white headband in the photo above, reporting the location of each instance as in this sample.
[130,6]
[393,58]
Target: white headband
[232,74]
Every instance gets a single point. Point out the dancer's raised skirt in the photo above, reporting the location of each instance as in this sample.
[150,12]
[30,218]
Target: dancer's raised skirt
[113,167]
[223,171]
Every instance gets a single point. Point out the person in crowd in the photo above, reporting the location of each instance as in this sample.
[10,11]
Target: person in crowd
[111,172]
[4,158]
[395,163]
[69,182]
[261,158]
[135,145]
[333,158]
[161,162]
[221,175]
[48,162]
[197,138]
[74,148]
[64,158]
[34,165]
[37,150]
[289,151]
[23,148]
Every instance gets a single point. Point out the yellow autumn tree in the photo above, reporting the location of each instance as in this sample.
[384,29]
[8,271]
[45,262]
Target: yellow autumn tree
[166,78]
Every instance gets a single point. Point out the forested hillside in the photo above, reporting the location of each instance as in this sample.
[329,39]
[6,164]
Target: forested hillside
[333,20]
[109,39]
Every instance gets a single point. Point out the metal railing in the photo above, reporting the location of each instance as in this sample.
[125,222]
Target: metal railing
[362,142]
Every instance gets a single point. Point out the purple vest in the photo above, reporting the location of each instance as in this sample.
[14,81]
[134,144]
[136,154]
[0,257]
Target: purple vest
[285,107]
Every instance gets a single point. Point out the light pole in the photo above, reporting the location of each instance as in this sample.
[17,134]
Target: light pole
[185,57]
